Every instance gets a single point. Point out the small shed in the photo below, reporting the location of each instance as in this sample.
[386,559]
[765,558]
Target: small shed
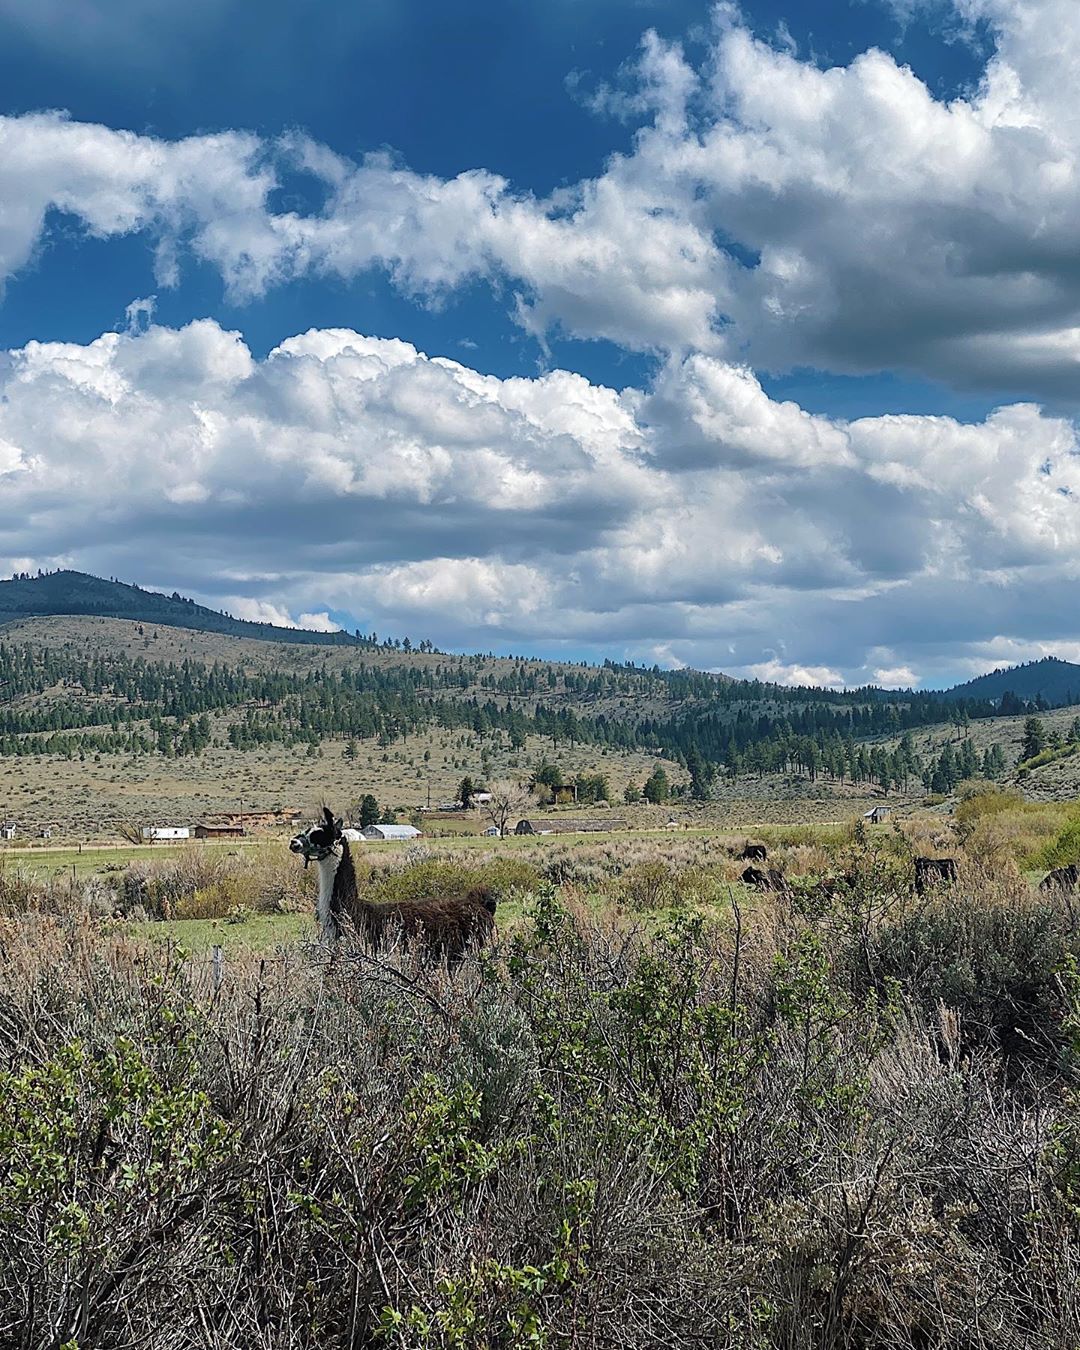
[45,832]
[210,831]
[876,814]
[377,833]
[8,830]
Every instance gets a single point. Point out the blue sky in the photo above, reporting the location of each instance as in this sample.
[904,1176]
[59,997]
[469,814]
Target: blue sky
[446,87]
[758,321]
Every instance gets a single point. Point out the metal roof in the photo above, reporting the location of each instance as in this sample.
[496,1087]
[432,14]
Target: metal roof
[392,831]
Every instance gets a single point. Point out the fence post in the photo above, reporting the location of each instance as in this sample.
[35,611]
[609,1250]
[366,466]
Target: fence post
[219,968]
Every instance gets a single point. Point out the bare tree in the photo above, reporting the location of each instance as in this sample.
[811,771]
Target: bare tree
[506,799]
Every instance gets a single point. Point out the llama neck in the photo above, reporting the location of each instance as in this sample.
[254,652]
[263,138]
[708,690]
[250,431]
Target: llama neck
[324,909]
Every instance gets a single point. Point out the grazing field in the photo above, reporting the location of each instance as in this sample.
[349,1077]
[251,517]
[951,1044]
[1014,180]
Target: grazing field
[93,799]
[661,1109]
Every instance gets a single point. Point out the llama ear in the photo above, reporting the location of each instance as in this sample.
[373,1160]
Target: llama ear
[328,815]
[338,825]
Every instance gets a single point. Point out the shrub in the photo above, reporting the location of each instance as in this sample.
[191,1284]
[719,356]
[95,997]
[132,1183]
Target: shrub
[1064,849]
[991,958]
[838,1131]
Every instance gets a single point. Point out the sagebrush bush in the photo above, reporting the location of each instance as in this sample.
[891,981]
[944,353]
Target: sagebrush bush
[750,1127]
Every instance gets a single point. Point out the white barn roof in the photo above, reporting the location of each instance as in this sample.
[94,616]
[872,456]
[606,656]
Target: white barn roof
[391,832]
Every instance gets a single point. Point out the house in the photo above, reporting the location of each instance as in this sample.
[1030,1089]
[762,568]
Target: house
[479,798]
[376,833]
[492,832]
[219,831]
[876,814]
[165,834]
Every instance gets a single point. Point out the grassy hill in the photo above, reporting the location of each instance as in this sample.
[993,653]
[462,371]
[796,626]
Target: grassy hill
[68,592]
[105,719]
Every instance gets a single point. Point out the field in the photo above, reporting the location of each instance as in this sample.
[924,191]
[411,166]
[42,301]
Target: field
[92,799]
[661,1109]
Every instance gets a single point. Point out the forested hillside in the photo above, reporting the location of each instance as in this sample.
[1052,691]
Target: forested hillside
[73,698]
[1049,683]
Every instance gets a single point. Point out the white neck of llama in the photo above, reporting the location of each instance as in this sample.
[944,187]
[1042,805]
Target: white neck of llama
[328,867]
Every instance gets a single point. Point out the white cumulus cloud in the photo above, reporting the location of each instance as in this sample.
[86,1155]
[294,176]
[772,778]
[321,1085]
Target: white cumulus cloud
[696,516]
[769,211]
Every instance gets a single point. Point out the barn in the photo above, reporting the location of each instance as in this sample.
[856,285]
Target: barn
[211,831]
[568,825]
[378,833]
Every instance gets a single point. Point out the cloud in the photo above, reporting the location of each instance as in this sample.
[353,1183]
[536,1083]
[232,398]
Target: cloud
[696,517]
[768,211]
[264,611]
[896,677]
[775,671]
[318,623]
[140,313]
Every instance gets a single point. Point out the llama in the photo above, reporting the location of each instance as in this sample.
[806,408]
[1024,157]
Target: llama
[930,872]
[767,879]
[1062,879]
[443,927]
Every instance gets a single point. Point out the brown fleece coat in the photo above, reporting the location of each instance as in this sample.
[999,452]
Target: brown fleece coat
[444,927]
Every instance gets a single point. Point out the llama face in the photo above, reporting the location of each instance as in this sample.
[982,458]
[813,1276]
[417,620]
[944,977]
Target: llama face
[319,841]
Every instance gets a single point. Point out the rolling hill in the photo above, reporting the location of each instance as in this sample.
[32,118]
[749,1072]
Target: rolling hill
[68,592]
[115,699]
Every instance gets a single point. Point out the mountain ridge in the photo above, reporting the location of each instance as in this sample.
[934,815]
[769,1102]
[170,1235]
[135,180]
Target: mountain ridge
[69,592]
[1055,681]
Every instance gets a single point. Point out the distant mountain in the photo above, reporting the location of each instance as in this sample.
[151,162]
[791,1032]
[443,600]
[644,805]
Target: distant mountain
[79,593]
[1057,682]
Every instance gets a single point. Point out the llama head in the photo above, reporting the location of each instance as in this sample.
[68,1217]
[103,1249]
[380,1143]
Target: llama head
[320,840]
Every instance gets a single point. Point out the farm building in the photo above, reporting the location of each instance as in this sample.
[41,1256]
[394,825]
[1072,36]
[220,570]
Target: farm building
[568,825]
[380,832]
[211,831]
[876,815]
[8,829]
[165,834]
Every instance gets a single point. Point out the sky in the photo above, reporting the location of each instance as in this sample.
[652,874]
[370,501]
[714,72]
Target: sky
[740,336]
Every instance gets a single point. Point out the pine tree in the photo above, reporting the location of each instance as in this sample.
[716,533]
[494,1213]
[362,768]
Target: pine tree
[1034,738]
